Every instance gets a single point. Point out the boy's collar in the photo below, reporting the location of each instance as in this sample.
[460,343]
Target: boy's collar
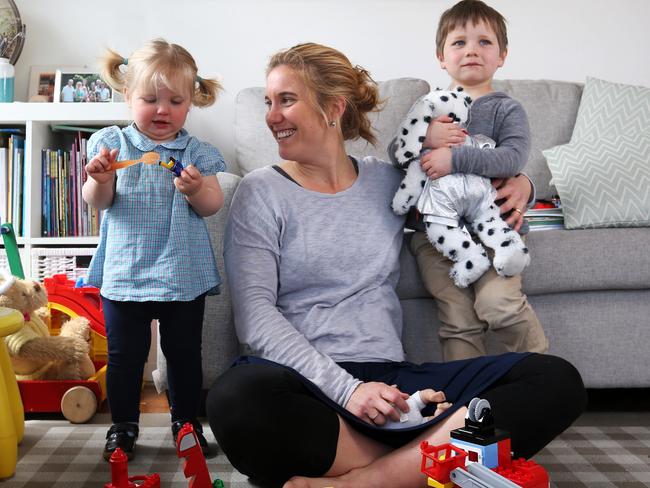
[143,143]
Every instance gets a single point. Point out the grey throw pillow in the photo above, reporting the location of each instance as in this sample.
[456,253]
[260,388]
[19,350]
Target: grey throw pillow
[608,108]
[603,182]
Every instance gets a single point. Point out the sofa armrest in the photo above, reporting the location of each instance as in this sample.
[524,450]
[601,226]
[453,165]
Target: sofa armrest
[220,344]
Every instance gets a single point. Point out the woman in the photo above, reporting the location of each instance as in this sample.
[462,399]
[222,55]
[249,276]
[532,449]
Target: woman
[312,253]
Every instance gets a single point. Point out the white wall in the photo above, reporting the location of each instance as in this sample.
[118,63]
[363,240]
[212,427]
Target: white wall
[552,39]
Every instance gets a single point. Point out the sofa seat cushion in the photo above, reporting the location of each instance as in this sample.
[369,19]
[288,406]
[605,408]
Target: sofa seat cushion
[566,261]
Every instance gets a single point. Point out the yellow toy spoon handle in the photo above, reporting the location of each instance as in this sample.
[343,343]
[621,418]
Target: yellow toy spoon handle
[147,158]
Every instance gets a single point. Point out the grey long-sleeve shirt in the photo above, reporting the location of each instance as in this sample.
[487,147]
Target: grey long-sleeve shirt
[313,275]
[503,120]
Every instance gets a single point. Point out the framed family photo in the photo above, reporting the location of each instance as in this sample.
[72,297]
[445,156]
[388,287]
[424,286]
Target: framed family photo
[80,85]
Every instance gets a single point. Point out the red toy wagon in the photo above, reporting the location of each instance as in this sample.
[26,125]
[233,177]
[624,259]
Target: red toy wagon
[77,400]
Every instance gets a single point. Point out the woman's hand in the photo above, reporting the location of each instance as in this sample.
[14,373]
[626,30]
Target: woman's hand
[436,163]
[99,167]
[442,132]
[190,181]
[375,402]
[516,191]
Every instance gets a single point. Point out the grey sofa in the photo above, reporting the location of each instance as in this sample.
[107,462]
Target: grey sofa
[590,288]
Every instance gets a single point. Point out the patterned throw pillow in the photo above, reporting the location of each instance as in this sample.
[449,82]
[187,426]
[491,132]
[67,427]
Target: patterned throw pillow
[603,182]
[607,109]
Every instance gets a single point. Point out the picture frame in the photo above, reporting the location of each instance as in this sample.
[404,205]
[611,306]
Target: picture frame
[78,85]
[41,83]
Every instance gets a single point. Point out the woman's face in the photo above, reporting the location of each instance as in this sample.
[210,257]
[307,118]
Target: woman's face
[297,125]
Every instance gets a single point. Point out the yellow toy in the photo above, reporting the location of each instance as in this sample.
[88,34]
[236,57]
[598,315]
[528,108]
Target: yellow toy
[12,418]
[35,354]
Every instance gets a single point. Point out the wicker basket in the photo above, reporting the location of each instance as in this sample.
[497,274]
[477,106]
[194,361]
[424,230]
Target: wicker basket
[73,261]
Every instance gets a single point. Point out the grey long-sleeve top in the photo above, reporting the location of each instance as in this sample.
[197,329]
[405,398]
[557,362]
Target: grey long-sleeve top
[313,275]
[503,120]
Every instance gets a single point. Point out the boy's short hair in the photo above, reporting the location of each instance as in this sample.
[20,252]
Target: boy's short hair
[475,11]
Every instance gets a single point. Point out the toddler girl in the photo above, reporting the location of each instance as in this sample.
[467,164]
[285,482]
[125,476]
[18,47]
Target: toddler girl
[154,258]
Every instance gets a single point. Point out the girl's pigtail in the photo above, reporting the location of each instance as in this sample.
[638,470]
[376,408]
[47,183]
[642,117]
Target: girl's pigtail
[206,92]
[111,72]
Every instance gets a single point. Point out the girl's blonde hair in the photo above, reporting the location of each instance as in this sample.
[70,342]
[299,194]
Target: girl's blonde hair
[329,75]
[160,62]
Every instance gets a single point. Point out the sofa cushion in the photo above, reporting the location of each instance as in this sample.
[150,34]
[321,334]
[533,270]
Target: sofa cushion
[565,261]
[603,182]
[220,346]
[551,107]
[611,108]
[255,146]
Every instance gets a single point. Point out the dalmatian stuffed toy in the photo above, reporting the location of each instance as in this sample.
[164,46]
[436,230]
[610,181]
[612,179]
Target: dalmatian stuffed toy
[444,201]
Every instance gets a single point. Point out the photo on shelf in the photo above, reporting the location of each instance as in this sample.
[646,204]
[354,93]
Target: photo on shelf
[41,83]
[80,85]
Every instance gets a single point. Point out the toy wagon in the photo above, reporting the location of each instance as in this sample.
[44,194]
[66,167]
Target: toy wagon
[78,400]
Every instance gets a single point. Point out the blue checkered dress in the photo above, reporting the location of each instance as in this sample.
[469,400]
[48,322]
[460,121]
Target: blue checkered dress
[153,246]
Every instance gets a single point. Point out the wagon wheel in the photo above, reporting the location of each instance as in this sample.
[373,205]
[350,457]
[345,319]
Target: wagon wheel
[78,404]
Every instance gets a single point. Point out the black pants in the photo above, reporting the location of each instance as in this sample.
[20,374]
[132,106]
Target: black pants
[272,427]
[128,329]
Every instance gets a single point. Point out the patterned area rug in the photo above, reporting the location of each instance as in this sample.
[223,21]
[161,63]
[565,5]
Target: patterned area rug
[601,450]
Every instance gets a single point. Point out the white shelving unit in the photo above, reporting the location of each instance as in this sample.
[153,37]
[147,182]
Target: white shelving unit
[36,119]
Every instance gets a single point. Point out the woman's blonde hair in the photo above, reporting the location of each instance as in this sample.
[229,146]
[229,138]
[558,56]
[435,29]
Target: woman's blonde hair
[329,75]
[158,63]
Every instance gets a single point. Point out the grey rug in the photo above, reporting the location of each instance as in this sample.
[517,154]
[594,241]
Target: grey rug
[601,450]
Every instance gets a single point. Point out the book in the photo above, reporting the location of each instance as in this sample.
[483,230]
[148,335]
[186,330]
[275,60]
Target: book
[545,215]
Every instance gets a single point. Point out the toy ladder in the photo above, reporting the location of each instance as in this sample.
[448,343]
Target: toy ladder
[11,248]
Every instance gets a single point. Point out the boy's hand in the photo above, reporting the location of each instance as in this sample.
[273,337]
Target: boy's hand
[442,132]
[190,181]
[436,163]
[99,167]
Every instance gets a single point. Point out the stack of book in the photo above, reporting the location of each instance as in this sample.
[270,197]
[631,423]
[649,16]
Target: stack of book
[65,214]
[12,178]
[545,215]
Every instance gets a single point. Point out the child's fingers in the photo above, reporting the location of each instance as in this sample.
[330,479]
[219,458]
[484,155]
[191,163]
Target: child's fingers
[192,171]
[112,156]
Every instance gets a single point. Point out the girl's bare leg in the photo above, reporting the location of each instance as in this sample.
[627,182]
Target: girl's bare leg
[375,467]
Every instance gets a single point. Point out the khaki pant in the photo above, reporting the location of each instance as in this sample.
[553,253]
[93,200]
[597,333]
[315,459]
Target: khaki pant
[491,303]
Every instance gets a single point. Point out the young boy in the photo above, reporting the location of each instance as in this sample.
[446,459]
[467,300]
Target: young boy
[471,44]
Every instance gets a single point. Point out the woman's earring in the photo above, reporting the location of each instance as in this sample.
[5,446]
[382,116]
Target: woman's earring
[332,124]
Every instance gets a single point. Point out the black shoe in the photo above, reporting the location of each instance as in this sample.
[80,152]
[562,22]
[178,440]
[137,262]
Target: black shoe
[198,430]
[122,435]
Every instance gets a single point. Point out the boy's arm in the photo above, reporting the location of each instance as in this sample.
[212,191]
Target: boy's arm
[512,137]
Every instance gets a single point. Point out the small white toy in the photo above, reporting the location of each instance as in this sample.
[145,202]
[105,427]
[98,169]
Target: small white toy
[444,201]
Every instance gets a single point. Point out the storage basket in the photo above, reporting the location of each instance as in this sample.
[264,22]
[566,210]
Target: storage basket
[73,261]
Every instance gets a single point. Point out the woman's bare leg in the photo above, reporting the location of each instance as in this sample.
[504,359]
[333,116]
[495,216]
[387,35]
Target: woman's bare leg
[399,468]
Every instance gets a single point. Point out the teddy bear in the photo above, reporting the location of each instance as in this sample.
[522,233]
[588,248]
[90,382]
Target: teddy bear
[443,202]
[34,353]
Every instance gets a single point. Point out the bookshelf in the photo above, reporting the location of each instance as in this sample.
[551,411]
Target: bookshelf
[36,120]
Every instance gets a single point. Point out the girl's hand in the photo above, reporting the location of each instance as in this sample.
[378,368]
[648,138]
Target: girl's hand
[516,191]
[190,181]
[99,167]
[436,163]
[442,132]
[374,402]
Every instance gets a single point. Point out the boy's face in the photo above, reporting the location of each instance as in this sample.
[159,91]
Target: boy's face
[471,54]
